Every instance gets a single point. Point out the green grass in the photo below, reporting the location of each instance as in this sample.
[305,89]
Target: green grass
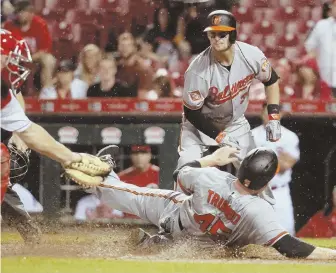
[51,265]
[40,264]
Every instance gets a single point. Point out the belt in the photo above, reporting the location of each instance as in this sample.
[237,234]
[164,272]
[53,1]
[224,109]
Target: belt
[180,223]
[276,187]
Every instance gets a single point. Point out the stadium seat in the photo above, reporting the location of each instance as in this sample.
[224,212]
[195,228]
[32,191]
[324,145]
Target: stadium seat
[305,3]
[288,40]
[246,3]
[305,26]
[63,31]
[111,5]
[64,49]
[87,16]
[286,14]
[261,3]
[52,16]
[89,34]
[270,40]
[274,53]
[244,38]
[264,28]
[243,14]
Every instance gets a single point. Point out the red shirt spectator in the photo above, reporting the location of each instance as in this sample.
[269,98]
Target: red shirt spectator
[37,35]
[148,178]
[142,173]
[321,89]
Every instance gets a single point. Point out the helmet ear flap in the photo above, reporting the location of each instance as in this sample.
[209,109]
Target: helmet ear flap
[233,36]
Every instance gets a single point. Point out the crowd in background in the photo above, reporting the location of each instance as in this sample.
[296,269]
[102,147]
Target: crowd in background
[141,49]
[111,48]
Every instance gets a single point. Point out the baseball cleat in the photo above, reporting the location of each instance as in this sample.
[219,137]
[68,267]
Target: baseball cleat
[108,154]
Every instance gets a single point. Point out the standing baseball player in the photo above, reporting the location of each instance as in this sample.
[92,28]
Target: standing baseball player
[216,93]
[288,152]
[15,56]
[218,204]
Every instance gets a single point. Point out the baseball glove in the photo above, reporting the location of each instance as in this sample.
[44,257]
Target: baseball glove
[89,171]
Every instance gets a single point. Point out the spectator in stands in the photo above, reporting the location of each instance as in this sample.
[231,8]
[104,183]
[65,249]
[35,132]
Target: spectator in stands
[162,34]
[163,86]
[283,69]
[321,225]
[309,83]
[88,67]
[321,44]
[142,173]
[34,30]
[132,73]
[178,68]
[108,87]
[65,86]
[146,51]
[7,10]
[190,27]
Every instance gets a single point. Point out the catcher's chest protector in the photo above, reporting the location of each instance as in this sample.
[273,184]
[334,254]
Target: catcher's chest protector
[5,166]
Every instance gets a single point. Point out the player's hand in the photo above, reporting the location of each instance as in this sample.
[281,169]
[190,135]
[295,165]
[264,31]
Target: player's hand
[225,155]
[224,139]
[273,130]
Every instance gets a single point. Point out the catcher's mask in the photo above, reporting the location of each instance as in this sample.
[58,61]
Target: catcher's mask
[19,162]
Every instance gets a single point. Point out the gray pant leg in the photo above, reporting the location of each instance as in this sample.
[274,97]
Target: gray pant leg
[151,205]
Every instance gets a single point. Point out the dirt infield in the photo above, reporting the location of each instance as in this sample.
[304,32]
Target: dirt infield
[115,243]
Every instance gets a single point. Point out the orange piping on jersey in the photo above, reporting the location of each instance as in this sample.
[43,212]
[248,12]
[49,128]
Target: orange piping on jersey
[171,198]
[185,191]
[276,238]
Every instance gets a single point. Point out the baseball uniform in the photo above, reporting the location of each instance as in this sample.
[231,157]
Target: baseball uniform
[214,207]
[222,94]
[289,143]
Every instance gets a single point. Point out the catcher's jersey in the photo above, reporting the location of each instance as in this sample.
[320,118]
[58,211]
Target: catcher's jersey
[223,93]
[217,209]
[13,118]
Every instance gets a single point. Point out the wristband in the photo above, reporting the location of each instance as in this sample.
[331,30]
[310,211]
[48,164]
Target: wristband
[273,111]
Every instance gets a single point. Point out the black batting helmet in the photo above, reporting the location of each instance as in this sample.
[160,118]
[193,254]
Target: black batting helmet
[222,20]
[258,167]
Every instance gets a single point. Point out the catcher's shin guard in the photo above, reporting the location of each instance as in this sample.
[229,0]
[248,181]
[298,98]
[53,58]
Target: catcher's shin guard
[14,214]
[5,167]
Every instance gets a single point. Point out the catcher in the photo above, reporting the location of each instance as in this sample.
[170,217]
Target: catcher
[218,205]
[15,57]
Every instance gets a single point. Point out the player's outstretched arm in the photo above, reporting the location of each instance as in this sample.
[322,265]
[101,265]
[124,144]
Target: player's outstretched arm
[292,247]
[39,140]
[321,253]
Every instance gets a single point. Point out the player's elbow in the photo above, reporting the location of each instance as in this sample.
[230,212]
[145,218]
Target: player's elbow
[294,248]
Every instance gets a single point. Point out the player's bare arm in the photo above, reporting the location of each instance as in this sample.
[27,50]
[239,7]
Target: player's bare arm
[41,141]
[292,247]
[286,161]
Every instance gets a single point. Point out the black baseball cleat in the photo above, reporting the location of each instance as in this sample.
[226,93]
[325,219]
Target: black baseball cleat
[108,154]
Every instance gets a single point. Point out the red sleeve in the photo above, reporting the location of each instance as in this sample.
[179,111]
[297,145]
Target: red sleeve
[44,41]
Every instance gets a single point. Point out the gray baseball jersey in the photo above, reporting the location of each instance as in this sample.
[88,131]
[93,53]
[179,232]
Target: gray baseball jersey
[223,93]
[217,209]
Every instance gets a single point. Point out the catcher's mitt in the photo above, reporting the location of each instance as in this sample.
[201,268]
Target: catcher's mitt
[90,171]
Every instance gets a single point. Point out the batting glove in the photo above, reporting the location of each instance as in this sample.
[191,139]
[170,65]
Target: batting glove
[223,139]
[273,130]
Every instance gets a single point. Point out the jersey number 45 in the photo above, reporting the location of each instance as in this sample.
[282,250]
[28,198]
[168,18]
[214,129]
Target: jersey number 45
[209,225]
